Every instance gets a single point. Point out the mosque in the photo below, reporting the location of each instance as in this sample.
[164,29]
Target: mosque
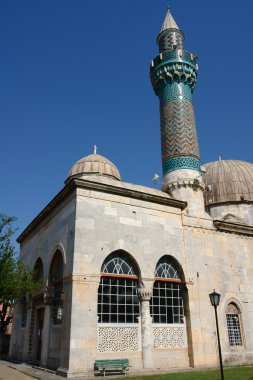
[126,270]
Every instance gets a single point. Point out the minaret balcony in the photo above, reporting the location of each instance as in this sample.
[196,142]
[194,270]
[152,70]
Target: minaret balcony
[174,56]
[173,71]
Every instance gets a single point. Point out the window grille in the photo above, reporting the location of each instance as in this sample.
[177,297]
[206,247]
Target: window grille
[117,294]
[166,305]
[56,284]
[117,300]
[38,271]
[57,303]
[233,325]
[23,311]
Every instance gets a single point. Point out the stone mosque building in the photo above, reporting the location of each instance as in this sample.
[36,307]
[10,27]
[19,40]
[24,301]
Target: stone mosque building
[126,270]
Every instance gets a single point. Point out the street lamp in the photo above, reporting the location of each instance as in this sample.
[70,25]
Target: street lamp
[215,300]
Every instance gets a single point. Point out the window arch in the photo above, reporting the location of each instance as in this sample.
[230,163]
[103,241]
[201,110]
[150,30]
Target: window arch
[234,324]
[117,294]
[165,269]
[39,271]
[166,305]
[56,287]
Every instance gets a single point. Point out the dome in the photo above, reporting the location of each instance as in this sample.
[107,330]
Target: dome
[94,164]
[228,181]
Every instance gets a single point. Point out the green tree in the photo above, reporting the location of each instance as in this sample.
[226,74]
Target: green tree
[16,279]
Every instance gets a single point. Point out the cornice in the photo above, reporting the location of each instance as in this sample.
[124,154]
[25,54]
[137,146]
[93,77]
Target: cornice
[233,227]
[130,193]
[75,183]
[227,203]
[193,183]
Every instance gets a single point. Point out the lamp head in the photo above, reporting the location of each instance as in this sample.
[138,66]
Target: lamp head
[214,298]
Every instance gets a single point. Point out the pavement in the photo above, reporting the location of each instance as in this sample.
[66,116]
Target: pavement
[7,373]
[22,371]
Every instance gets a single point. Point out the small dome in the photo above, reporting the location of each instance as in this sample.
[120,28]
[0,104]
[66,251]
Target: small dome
[228,181]
[94,164]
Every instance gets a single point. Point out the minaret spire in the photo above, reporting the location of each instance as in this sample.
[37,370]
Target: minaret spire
[170,36]
[169,22]
[174,75]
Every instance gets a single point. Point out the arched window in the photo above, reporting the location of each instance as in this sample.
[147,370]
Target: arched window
[56,287]
[38,271]
[234,325]
[117,294]
[166,304]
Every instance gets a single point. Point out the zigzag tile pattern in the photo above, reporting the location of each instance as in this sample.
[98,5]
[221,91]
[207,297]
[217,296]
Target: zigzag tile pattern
[169,39]
[178,132]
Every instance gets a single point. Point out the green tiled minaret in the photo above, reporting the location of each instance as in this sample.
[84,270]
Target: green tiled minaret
[174,74]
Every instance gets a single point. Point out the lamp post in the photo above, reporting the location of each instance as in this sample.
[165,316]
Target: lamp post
[215,300]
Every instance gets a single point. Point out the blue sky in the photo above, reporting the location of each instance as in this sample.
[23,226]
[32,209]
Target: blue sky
[76,73]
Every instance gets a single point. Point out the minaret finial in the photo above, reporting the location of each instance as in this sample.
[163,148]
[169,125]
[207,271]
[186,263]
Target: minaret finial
[95,149]
[169,22]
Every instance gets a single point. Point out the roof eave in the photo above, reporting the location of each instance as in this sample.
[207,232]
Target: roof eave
[233,227]
[75,183]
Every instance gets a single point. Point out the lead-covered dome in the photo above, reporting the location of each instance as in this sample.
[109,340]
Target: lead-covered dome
[228,181]
[93,164]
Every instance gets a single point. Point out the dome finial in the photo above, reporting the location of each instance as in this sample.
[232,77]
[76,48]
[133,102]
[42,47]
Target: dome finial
[95,149]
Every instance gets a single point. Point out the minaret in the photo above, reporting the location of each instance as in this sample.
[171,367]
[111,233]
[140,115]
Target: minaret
[174,75]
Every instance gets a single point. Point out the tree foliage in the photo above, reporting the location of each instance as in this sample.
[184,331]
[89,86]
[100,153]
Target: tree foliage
[16,279]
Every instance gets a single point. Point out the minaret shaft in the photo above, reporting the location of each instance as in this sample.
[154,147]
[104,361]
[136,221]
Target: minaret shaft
[174,75]
[178,133]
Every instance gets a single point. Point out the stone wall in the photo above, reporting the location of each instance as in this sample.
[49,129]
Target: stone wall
[56,232]
[87,229]
[147,231]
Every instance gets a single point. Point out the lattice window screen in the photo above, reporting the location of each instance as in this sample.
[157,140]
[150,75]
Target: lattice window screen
[118,339]
[169,337]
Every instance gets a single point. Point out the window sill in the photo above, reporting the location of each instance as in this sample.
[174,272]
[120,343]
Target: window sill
[236,348]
